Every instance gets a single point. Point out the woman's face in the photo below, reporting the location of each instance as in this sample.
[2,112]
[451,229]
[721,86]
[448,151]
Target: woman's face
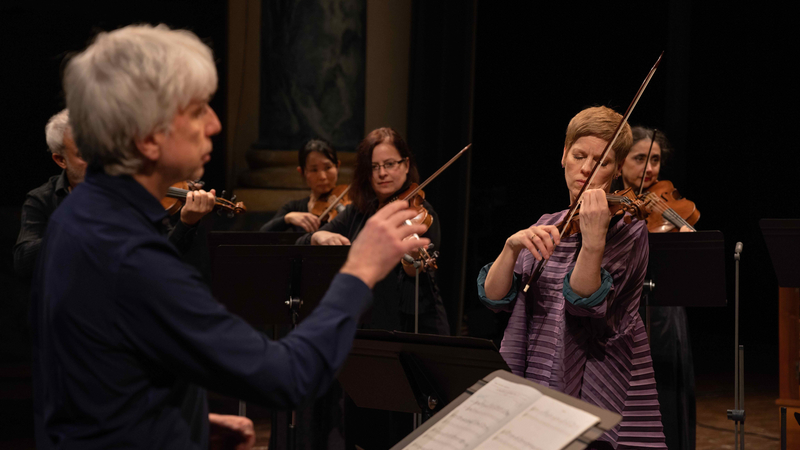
[580,159]
[320,173]
[634,165]
[387,181]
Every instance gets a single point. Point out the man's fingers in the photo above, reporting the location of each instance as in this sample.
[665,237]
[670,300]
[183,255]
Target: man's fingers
[413,244]
[406,231]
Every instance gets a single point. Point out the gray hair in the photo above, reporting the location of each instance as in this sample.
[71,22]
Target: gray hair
[129,83]
[54,132]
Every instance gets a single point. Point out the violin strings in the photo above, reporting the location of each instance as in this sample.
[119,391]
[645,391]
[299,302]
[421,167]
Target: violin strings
[667,212]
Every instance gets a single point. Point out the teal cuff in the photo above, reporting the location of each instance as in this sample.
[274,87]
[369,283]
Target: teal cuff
[512,293]
[593,300]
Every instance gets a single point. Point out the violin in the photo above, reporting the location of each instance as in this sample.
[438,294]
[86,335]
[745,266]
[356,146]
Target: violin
[415,197]
[176,196]
[334,202]
[574,208]
[669,210]
[619,203]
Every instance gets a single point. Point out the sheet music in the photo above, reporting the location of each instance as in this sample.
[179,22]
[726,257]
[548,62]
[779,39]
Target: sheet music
[494,405]
[548,424]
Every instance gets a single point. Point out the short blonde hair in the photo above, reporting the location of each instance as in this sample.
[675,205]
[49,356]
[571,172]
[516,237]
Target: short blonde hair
[600,122]
[130,83]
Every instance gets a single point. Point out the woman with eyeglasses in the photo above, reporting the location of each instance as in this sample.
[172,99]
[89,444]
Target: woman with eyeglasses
[385,167]
[319,166]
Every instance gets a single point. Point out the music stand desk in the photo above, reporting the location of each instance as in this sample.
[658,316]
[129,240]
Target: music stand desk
[688,269]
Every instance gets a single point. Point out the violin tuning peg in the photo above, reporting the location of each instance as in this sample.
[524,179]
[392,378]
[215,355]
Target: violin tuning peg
[230,214]
[224,194]
[233,198]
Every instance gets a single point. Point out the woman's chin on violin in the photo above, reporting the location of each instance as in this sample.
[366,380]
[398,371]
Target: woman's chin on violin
[669,211]
[318,166]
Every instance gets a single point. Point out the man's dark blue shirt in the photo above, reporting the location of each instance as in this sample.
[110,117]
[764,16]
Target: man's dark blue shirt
[124,331]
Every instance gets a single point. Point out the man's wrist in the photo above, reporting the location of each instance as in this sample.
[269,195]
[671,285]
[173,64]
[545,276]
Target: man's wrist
[360,272]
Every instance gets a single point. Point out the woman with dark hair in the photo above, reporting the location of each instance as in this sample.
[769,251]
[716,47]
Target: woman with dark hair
[319,166]
[634,166]
[385,167]
[669,327]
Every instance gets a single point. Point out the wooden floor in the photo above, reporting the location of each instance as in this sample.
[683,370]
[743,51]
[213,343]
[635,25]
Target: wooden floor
[762,416]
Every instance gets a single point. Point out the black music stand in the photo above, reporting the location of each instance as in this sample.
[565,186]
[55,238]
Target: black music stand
[255,281]
[687,269]
[219,238]
[783,242]
[432,374]
[425,372]
[272,285]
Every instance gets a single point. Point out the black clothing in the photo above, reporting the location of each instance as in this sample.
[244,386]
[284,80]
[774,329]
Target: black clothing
[37,209]
[125,332]
[674,371]
[278,224]
[40,205]
[394,295]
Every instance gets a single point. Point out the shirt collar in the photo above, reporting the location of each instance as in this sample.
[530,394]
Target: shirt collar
[129,191]
[62,184]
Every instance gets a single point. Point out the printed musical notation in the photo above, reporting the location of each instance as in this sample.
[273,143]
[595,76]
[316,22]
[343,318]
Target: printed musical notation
[506,415]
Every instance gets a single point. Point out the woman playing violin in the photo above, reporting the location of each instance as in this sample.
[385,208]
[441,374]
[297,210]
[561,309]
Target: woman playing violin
[319,167]
[577,329]
[384,168]
[669,329]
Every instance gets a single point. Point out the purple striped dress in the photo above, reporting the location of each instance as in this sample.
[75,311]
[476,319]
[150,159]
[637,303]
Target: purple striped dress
[598,354]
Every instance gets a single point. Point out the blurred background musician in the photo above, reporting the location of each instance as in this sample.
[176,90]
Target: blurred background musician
[385,167]
[669,328]
[318,165]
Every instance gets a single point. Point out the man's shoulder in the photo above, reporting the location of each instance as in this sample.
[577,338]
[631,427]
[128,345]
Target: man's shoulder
[47,188]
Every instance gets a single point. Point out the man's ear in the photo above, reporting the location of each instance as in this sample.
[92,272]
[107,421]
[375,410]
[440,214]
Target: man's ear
[150,146]
[59,159]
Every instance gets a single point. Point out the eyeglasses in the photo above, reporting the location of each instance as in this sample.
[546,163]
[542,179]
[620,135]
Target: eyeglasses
[388,165]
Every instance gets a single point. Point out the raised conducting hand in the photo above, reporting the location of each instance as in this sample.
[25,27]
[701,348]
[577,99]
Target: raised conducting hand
[230,432]
[539,240]
[306,221]
[328,238]
[594,218]
[198,204]
[380,243]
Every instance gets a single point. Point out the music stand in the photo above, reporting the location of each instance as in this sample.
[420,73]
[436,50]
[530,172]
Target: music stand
[255,281]
[434,374]
[272,285]
[783,242]
[687,269]
[219,238]
[416,366]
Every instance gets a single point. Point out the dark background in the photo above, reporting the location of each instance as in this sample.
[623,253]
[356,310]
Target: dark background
[724,95]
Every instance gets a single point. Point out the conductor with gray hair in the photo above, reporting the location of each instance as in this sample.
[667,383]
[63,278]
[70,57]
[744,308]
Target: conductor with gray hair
[126,336]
